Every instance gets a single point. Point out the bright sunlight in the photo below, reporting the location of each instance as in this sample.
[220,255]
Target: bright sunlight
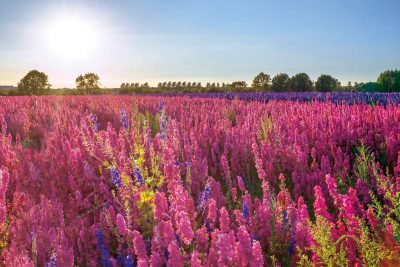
[71,37]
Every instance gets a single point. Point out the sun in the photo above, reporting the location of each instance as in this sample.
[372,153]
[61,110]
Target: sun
[71,37]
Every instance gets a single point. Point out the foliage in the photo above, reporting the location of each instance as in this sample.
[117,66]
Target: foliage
[371,87]
[261,82]
[88,82]
[33,83]
[329,252]
[390,79]
[238,85]
[280,83]
[300,82]
[326,83]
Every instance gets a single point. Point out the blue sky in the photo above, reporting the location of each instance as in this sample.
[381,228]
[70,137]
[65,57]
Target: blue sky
[138,41]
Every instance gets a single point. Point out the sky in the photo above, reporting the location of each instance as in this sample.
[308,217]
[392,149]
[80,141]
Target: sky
[197,40]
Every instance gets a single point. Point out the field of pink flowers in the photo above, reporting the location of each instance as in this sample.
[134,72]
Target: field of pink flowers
[178,181]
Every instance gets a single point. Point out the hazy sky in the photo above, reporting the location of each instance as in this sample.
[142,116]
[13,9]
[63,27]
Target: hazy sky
[220,40]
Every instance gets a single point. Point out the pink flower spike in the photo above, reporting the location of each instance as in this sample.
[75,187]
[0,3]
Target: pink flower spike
[121,225]
[241,184]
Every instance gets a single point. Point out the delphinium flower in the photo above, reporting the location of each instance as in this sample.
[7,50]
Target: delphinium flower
[178,241]
[116,178]
[121,224]
[124,119]
[202,237]
[302,229]
[163,235]
[224,220]
[246,212]
[348,214]
[120,260]
[212,211]
[227,254]
[257,254]
[95,122]
[166,254]
[140,249]
[332,188]
[184,227]
[138,176]
[163,122]
[194,260]
[208,227]
[226,168]
[244,251]
[253,238]
[180,209]
[204,196]
[174,256]
[291,245]
[160,207]
[241,183]
[4,178]
[129,262]
[125,261]
[285,218]
[320,207]
[53,260]
[259,163]
[102,246]
[234,194]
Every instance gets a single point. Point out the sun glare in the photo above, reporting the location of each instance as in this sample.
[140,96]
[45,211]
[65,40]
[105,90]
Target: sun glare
[71,37]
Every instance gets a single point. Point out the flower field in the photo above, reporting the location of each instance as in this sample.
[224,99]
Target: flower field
[335,97]
[192,181]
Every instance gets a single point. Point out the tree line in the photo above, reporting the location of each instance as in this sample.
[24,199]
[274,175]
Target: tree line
[37,83]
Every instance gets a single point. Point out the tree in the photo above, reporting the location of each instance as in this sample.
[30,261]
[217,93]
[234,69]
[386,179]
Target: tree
[280,83]
[87,82]
[371,87]
[238,85]
[34,83]
[326,83]
[390,79]
[301,82]
[261,82]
